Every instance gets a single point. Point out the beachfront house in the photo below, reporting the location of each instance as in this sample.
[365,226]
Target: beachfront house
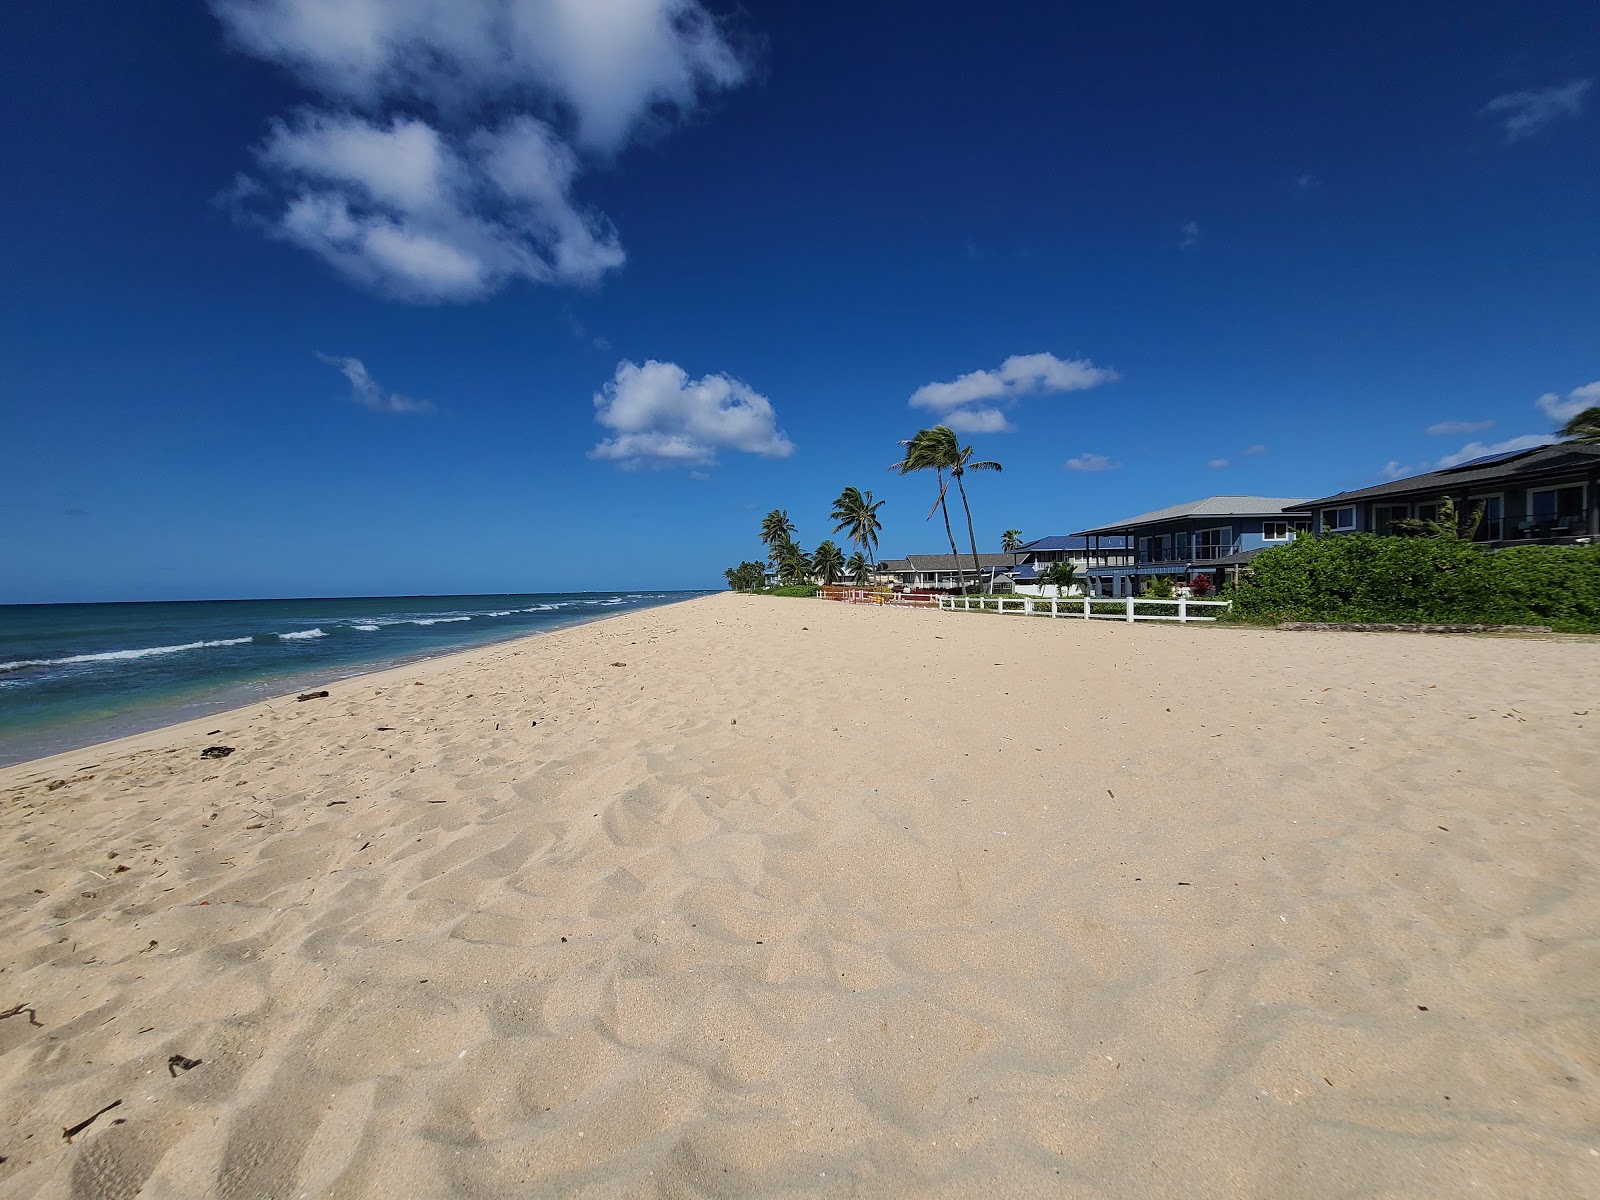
[941,570]
[1035,558]
[1214,537]
[1548,495]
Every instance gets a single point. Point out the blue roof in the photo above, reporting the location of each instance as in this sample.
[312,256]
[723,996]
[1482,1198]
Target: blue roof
[1073,542]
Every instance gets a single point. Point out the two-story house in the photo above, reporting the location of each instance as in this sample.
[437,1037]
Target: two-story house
[1202,537]
[1550,495]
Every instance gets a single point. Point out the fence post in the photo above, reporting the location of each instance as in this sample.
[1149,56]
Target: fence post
[1130,610]
[1086,608]
[1055,607]
[1183,612]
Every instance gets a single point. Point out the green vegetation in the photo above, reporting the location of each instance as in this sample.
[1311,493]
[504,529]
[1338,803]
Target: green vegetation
[1061,574]
[1011,541]
[1584,427]
[1158,587]
[827,564]
[1441,580]
[859,570]
[803,590]
[746,577]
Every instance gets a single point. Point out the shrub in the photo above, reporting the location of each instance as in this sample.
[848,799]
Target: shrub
[1402,580]
[802,590]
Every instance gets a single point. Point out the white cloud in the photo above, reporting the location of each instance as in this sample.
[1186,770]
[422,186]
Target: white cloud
[1523,114]
[1457,427]
[365,390]
[1191,234]
[660,417]
[967,404]
[480,193]
[1563,408]
[1216,464]
[1091,462]
[978,420]
[1471,450]
[1392,470]
[1258,448]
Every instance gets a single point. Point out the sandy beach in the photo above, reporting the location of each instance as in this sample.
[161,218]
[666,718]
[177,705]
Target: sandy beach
[759,897]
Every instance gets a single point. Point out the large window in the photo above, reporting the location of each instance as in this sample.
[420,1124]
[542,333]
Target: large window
[1385,515]
[1492,527]
[1275,531]
[1339,520]
[1212,543]
[1552,503]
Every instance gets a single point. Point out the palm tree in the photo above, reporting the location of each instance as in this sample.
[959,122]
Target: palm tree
[857,512]
[1062,573]
[921,456]
[776,528]
[1584,427]
[793,565]
[1011,541]
[828,562]
[859,569]
[948,451]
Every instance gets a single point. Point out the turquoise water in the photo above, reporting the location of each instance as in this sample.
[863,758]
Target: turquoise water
[75,674]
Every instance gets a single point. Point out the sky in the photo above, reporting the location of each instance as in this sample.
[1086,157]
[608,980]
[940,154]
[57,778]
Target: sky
[373,297]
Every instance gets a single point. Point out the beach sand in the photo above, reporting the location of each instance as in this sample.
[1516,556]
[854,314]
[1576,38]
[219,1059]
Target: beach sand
[761,897]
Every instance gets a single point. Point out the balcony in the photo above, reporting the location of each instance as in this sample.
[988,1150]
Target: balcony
[1540,527]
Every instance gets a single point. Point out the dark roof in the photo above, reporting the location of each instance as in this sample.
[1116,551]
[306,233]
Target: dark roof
[1211,506]
[1564,458]
[1073,542]
[1236,560]
[941,562]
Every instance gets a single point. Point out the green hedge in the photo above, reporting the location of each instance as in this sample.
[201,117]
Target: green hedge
[1364,578]
[793,589]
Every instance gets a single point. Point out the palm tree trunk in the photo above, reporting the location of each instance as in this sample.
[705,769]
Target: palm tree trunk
[955,554]
[976,566]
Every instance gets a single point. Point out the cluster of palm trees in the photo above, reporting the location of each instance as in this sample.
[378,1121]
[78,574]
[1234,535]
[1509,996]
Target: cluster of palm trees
[855,513]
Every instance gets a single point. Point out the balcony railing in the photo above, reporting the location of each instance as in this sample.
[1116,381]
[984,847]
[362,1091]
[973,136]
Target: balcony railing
[1199,554]
[1544,527]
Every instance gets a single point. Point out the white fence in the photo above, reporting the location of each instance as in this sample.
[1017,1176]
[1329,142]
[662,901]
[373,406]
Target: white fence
[1086,608]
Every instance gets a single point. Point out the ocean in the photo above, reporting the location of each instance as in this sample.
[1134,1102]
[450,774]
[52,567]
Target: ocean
[75,674]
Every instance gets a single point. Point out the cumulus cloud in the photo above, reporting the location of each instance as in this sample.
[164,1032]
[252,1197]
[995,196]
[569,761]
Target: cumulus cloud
[1524,114]
[1392,470]
[1563,408]
[1091,462]
[659,417]
[365,390]
[454,204]
[1457,427]
[972,403]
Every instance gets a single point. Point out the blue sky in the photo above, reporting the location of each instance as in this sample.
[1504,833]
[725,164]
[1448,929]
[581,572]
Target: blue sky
[312,297]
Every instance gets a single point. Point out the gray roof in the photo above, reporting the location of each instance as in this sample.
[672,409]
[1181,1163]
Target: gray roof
[1564,458]
[1063,542]
[941,562]
[1211,506]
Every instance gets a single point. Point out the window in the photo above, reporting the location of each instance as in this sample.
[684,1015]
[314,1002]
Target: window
[1275,531]
[1181,547]
[1144,549]
[1427,512]
[1385,515]
[1339,519]
[1550,504]
[1492,527]
[1213,543]
[1301,527]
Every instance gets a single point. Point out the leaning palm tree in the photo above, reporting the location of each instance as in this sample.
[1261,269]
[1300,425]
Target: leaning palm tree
[857,512]
[1011,541]
[827,564]
[859,569]
[1584,427]
[921,455]
[776,528]
[948,451]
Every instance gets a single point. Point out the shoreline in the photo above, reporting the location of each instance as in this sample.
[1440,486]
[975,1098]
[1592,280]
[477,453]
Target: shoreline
[311,680]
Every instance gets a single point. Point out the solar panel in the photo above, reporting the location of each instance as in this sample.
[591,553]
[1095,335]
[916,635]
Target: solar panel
[1488,459]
